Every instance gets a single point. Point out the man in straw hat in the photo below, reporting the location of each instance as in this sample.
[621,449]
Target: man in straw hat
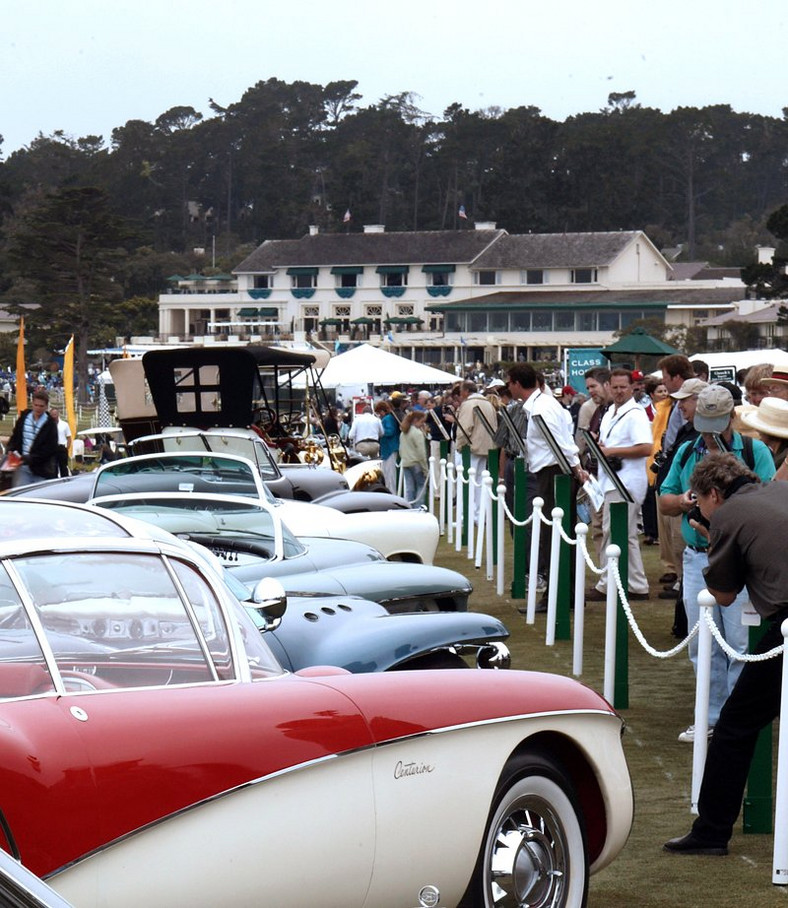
[770,420]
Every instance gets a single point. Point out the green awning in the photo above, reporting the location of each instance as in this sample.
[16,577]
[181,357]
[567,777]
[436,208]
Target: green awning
[412,320]
[330,321]
[176,277]
[195,277]
[438,269]
[363,320]
[398,320]
[221,277]
[270,312]
[347,269]
[392,269]
[302,272]
[247,312]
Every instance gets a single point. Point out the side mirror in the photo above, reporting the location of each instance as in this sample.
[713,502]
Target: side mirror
[270,600]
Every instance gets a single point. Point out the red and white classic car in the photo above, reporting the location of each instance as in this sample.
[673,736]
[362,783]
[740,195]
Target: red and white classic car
[153,752]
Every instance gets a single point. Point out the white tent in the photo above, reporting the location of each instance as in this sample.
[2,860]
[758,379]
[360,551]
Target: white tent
[368,365]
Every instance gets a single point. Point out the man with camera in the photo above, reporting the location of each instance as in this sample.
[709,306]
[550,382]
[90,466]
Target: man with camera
[712,419]
[625,440]
[747,524]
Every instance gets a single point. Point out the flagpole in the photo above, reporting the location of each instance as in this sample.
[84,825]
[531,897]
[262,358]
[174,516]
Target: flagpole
[68,387]
[21,375]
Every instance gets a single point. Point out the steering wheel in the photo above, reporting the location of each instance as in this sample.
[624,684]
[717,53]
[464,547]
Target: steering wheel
[264,417]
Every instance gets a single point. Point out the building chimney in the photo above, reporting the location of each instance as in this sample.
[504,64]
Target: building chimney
[765,254]
[374,228]
[313,230]
[485,225]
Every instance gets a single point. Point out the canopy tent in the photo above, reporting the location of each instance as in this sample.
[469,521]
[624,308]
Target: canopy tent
[637,344]
[379,367]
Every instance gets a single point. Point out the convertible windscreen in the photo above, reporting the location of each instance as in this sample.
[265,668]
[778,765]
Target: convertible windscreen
[119,620]
[189,473]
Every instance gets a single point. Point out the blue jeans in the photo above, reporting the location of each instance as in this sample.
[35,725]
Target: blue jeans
[724,671]
[414,485]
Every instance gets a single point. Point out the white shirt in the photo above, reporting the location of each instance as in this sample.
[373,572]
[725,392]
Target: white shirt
[63,432]
[555,417]
[366,427]
[623,428]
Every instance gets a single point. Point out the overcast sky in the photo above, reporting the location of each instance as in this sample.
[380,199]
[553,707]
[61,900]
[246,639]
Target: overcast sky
[87,66]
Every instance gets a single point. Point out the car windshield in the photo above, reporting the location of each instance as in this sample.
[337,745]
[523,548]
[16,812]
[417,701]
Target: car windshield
[128,619]
[19,521]
[235,526]
[179,472]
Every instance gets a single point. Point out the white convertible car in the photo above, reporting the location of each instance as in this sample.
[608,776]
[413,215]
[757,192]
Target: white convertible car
[164,757]
[399,535]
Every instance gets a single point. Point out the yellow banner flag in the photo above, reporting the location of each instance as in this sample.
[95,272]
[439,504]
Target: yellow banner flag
[21,375]
[68,387]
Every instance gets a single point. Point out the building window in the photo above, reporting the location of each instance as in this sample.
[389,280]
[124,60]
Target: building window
[498,321]
[477,321]
[303,281]
[586,321]
[564,321]
[584,275]
[263,281]
[533,276]
[520,321]
[542,321]
[608,321]
[486,278]
[347,276]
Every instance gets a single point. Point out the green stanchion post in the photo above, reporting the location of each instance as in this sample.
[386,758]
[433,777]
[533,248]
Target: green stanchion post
[562,486]
[466,465]
[494,466]
[619,535]
[758,803]
[520,536]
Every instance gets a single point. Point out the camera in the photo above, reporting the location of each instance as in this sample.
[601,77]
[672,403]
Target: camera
[660,458]
[615,463]
[695,514]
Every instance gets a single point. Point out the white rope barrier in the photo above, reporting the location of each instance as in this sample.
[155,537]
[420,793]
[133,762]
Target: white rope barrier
[452,479]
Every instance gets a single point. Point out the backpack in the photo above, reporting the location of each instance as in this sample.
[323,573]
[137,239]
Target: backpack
[747,454]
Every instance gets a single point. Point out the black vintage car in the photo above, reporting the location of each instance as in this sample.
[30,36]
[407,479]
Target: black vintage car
[261,397]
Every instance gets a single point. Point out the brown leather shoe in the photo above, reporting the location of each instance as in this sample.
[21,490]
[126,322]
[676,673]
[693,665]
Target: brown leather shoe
[595,595]
[638,596]
[670,577]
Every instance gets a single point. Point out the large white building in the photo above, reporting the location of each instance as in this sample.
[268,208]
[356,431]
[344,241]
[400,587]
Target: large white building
[445,296]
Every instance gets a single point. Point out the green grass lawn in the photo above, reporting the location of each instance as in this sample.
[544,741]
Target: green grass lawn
[661,698]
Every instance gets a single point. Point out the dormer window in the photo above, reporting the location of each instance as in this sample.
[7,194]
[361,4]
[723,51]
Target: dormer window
[584,275]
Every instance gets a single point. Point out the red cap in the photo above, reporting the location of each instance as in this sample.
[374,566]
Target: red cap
[637,375]
[568,389]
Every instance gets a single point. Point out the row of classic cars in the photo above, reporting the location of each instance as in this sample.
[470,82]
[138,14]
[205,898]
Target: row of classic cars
[198,704]
[154,751]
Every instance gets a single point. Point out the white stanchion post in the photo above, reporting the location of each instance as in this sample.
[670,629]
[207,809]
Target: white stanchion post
[481,528]
[533,560]
[451,487]
[501,531]
[552,584]
[488,522]
[581,535]
[459,508]
[442,496]
[471,510]
[431,485]
[613,553]
[780,857]
[702,685]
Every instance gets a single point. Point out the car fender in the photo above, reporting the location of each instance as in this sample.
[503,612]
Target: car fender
[361,636]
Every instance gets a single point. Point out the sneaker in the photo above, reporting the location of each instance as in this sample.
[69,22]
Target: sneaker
[688,735]
[541,583]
